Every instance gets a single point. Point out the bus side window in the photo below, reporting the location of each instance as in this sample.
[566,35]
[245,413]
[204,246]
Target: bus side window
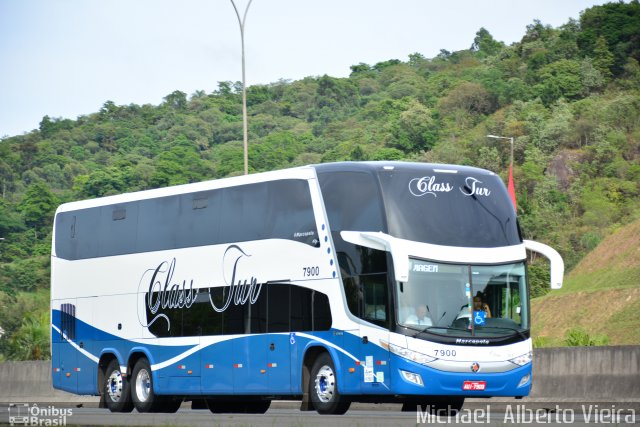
[301,309]
[321,312]
[278,308]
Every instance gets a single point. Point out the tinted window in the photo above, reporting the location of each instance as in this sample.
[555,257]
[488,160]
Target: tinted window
[321,312]
[157,230]
[352,201]
[199,219]
[301,309]
[278,314]
[453,209]
[257,314]
[77,233]
[364,274]
[278,209]
[279,308]
[270,210]
[117,229]
[243,216]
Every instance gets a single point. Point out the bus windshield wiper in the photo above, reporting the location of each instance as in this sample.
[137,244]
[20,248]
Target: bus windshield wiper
[517,331]
[428,328]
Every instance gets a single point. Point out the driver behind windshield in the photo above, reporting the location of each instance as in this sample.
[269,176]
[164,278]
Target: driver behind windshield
[420,317]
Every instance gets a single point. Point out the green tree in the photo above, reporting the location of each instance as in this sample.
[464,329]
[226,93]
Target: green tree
[31,340]
[485,44]
[619,24]
[415,129]
[10,220]
[603,58]
[38,205]
[176,99]
[560,79]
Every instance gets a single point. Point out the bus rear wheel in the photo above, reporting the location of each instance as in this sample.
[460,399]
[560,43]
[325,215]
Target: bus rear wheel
[323,388]
[116,391]
[142,386]
[143,396]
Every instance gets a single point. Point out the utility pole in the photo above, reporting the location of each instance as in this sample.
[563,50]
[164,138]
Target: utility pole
[242,21]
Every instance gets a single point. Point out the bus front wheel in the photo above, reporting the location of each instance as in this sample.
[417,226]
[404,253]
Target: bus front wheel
[116,391]
[323,388]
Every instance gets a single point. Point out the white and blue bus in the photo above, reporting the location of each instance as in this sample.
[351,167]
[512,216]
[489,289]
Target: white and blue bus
[331,283]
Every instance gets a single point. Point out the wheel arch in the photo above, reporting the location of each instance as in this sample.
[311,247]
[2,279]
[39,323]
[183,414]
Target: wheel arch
[106,357]
[311,353]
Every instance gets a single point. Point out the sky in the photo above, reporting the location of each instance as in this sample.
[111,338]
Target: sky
[66,58]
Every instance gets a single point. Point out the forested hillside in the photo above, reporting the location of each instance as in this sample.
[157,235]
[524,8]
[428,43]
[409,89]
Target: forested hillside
[570,96]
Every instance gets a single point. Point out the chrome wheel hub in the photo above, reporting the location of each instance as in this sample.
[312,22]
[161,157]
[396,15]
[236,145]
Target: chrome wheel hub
[325,384]
[114,385]
[143,385]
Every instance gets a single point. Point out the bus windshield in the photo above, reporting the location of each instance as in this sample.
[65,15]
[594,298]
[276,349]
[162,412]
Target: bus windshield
[467,208]
[464,300]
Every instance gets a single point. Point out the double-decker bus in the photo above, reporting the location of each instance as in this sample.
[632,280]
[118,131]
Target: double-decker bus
[331,283]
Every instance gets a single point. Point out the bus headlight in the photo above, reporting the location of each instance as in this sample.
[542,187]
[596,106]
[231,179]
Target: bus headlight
[414,356]
[522,359]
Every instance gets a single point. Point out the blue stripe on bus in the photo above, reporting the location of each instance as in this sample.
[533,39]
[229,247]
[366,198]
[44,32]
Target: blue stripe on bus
[213,371]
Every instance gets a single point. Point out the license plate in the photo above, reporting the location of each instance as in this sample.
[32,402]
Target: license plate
[474,385]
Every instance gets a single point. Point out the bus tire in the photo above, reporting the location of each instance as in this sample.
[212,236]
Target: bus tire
[323,388]
[144,399]
[116,390]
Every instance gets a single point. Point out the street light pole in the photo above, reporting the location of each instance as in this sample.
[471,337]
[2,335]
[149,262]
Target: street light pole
[510,138]
[245,133]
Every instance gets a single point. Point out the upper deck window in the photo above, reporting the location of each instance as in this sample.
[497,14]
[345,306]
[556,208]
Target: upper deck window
[280,209]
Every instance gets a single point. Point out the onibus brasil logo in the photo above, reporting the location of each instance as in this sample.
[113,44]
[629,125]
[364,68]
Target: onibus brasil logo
[34,415]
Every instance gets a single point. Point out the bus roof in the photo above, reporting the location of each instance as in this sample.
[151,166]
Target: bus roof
[302,172]
[374,166]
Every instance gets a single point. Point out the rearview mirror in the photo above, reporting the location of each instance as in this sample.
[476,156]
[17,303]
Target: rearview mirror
[557,264]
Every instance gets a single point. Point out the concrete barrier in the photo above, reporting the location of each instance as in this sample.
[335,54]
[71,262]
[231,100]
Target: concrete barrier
[590,373]
[31,382]
[597,373]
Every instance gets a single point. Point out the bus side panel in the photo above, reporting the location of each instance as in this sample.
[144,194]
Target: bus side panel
[86,368]
[279,363]
[56,344]
[249,361]
[67,354]
[217,372]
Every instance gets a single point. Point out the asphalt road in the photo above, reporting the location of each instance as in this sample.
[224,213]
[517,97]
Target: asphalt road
[287,414]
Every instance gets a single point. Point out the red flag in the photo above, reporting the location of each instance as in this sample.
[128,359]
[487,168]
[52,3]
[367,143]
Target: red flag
[512,188]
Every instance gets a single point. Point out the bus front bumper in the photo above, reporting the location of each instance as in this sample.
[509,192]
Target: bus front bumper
[416,379]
